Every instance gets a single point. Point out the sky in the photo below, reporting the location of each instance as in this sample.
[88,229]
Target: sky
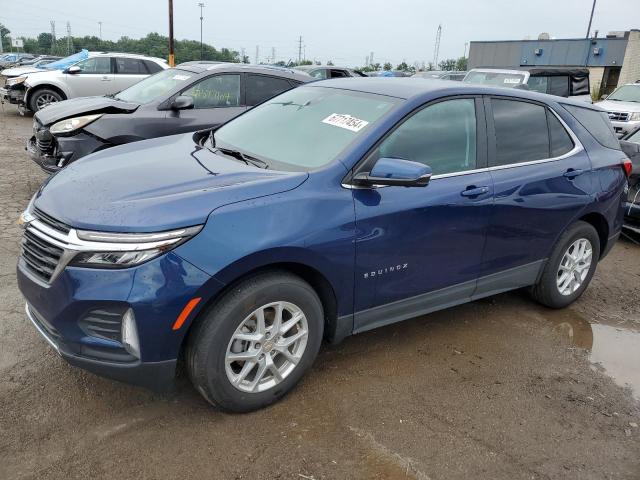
[344,31]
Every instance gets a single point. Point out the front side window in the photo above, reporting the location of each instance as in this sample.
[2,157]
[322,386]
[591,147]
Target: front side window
[521,131]
[216,91]
[304,128]
[442,136]
[155,86]
[130,66]
[320,74]
[95,65]
[262,87]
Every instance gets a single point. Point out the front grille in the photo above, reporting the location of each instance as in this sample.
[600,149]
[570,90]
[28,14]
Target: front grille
[40,256]
[618,116]
[102,324]
[49,221]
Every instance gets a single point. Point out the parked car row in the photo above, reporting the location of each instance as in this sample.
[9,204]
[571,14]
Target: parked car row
[329,208]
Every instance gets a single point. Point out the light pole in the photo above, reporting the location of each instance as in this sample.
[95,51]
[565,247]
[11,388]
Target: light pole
[201,5]
[100,29]
[593,8]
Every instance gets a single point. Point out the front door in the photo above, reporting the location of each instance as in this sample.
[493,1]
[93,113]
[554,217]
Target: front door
[420,248]
[94,78]
[216,100]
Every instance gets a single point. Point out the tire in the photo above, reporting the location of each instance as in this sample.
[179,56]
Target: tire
[213,341]
[43,96]
[554,290]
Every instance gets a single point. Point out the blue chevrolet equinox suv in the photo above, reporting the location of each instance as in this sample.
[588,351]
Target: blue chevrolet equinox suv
[332,209]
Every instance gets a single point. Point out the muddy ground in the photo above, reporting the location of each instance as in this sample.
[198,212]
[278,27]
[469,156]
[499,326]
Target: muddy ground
[498,389]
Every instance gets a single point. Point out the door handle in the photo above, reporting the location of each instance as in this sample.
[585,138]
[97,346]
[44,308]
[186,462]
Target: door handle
[105,79]
[572,173]
[474,191]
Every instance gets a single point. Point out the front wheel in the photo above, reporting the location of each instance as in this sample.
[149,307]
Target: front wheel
[256,343]
[43,97]
[570,267]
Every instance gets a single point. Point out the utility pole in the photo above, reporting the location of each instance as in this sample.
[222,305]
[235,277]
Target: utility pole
[257,54]
[201,5]
[436,49]
[300,50]
[172,57]
[273,54]
[53,37]
[242,55]
[593,8]
[69,38]
[100,29]
[371,59]
[465,49]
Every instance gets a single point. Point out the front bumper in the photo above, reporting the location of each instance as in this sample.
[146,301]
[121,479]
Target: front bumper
[155,291]
[622,128]
[63,150]
[12,95]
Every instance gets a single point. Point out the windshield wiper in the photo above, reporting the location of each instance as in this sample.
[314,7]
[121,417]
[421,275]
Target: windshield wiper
[237,154]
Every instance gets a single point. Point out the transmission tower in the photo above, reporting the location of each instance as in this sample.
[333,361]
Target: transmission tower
[53,37]
[69,39]
[300,49]
[436,50]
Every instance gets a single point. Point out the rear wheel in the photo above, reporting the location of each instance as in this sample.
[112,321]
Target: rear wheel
[570,267]
[254,345]
[43,97]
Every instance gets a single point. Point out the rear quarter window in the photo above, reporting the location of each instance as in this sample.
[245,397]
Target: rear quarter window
[597,124]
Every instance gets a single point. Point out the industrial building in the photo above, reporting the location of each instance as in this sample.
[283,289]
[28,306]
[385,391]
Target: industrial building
[612,60]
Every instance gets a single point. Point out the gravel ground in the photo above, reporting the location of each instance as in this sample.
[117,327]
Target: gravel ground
[501,388]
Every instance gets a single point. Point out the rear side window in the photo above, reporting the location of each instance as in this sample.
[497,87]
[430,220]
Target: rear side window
[560,141]
[130,66]
[216,91]
[262,87]
[153,67]
[521,132]
[597,123]
[442,136]
[559,86]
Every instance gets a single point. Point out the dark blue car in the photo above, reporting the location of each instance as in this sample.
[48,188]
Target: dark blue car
[332,209]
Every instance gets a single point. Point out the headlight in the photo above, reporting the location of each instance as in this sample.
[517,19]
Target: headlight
[15,81]
[122,250]
[72,124]
[634,117]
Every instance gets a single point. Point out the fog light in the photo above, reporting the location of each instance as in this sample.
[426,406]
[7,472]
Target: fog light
[130,334]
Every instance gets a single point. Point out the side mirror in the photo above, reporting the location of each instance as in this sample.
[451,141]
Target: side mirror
[74,69]
[396,172]
[182,102]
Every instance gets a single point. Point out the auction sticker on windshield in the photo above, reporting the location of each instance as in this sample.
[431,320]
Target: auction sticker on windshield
[511,80]
[348,122]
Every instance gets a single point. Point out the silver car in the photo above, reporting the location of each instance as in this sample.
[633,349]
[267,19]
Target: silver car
[623,107]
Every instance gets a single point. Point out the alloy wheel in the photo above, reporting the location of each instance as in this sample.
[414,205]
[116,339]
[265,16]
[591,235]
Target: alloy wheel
[574,266]
[45,99]
[266,347]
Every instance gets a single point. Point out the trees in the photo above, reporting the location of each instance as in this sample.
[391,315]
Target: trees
[448,64]
[387,66]
[4,38]
[461,64]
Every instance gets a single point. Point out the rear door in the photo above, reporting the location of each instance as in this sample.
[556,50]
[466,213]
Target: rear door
[542,180]
[128,71]
[94,78]
[216,99]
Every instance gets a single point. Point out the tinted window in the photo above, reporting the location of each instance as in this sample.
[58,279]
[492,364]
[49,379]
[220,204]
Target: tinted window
[597,123]
[153,67]
[442,136]
[216,91]
[261,88]
[339,74]
[559,86]
[561,142]
[130,66]
[521,132]
[319,74]
[538,84]
[97,65]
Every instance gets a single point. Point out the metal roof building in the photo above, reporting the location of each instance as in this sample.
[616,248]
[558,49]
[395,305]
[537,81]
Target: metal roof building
[612,60]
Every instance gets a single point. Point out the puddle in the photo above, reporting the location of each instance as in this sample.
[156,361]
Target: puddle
[614,348]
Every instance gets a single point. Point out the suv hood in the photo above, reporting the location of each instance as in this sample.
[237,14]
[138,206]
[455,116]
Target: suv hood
[82,106]
[17,71]
[154,185]
[615,106]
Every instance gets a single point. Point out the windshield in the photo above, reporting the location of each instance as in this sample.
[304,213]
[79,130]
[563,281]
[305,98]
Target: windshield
[626,93]
[304,128]
[154,86]
[497,79]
